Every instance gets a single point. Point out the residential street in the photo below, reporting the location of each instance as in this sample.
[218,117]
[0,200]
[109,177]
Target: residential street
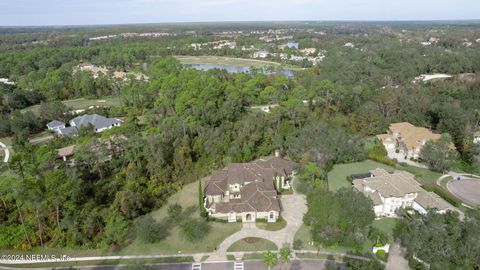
[250,265]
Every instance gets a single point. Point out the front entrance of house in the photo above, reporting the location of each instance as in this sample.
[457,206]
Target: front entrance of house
[249,217]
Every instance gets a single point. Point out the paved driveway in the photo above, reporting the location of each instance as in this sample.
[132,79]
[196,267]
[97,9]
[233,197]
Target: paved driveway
[294,207]
[396,259]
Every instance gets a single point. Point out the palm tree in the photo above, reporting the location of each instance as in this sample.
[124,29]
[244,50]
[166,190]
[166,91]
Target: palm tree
[269,259]
[285,255]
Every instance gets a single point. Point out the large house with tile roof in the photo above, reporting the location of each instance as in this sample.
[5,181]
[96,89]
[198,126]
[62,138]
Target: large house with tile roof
[249,191]
[391,191]
[406,139]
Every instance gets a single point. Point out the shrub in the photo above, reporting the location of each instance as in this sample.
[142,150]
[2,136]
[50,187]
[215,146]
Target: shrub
[194,229]
[148,230]
[382,255]
[175,213]
[297,244]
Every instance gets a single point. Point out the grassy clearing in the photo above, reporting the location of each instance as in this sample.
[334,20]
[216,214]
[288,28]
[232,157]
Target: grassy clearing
[81,103]
[337,178]
[183,259]
[274,226]
[174,243]
[424,176]
[386,225]
[230,61]
[252,244]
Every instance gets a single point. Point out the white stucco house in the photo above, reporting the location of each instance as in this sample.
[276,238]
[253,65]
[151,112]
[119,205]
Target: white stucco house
[391,191]
[404,140]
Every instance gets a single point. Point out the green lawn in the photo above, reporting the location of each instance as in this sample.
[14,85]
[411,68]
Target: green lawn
[424,176]
[230,61]
[274,226]
[252,244]
[174,243]
[386,225]
[82,103]
[337,178]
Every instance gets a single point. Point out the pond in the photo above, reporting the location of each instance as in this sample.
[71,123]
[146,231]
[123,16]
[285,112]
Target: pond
[237,69]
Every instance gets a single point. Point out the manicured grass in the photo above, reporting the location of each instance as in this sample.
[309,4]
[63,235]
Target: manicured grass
[273,226]
[386,225]
[229,61]
[252,244]
[424,176]
[82,103]
[254,256]
[174,242]
[337,178]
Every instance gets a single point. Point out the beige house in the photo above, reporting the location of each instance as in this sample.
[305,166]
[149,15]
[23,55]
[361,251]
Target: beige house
[406,139]
[248,191]
[392,191]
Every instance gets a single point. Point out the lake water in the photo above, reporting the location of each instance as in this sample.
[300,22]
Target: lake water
[237,69]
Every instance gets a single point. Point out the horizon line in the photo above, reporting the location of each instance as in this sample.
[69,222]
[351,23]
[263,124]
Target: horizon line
[248,21]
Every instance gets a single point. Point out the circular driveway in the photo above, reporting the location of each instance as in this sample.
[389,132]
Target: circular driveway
[467,190]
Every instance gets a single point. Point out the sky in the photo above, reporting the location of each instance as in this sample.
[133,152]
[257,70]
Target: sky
[92,12]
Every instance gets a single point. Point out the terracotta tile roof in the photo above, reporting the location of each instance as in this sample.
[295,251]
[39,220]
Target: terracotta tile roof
[66,151]
[411,135]
[258,191]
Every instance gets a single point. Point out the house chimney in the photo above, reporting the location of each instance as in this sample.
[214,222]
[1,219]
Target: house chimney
[277,153]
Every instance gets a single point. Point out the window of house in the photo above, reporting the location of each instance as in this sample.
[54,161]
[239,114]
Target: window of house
[272,215]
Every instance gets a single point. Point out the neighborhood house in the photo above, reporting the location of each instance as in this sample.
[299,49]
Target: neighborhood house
[98,122]
[404,140]
[249,191]
[392,191]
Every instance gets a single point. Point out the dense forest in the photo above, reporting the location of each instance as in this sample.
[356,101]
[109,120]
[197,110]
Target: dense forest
[183,123]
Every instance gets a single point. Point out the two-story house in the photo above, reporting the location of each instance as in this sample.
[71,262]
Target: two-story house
[248,191]
[392,191]
[406,140]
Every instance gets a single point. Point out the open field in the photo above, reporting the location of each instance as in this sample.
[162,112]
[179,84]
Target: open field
[230,61]
[81,104]
[174,243]
[252,244]
[337,178]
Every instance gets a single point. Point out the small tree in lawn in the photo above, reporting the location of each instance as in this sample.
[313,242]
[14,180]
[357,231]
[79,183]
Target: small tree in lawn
[175,213]
[269,259]
[285,255]
[148,230]
[194,229]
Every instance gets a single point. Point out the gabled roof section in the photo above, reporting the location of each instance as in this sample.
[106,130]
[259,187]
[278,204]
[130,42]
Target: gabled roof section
[96,120]
[55,123]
